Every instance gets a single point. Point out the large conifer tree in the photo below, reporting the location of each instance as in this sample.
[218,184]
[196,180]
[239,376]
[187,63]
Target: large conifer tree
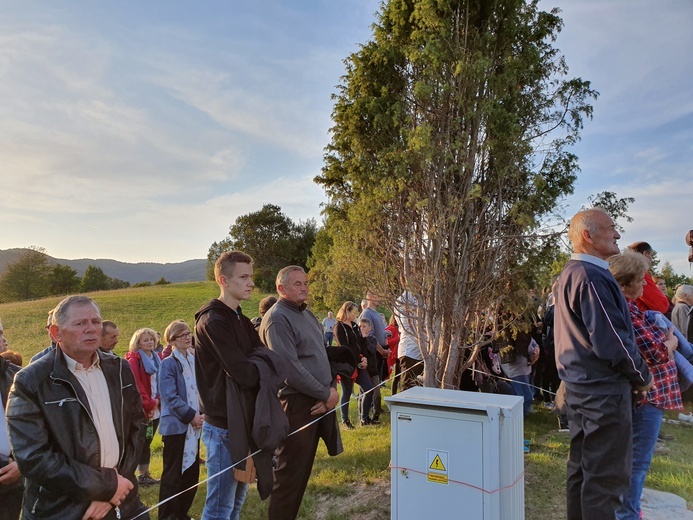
[448,153]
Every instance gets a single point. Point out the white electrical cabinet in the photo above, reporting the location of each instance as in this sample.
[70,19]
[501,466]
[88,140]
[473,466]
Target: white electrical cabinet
[456,454]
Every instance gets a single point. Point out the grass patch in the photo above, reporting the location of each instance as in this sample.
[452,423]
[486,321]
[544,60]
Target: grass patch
[131,309]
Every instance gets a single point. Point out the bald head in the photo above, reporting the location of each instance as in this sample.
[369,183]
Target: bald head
[593,232]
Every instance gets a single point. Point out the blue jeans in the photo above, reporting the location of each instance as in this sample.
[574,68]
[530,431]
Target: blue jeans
[520,385]
[329,338]
[647,420]
[364,381]
[225,495]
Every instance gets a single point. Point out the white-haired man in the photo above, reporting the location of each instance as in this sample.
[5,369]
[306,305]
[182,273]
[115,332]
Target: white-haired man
[600,365]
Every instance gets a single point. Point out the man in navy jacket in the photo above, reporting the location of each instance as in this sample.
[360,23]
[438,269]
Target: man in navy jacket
[600,365]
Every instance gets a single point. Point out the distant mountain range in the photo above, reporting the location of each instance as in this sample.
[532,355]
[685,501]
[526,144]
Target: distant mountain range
[188,271]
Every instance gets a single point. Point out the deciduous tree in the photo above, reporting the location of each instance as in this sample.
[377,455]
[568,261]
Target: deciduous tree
[271,238]
[673,279]
[63,280]
[95,279]
[615,206]
[26,278]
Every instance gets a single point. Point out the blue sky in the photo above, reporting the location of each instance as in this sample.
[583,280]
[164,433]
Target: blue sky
[140,130]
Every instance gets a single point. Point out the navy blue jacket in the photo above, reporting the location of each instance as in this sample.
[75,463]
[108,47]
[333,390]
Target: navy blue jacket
[595,343]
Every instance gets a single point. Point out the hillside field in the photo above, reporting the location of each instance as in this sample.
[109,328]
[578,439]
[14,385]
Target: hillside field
[133,308]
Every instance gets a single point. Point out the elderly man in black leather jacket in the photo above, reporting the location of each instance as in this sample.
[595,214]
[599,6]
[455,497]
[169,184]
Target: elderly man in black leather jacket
[78,457]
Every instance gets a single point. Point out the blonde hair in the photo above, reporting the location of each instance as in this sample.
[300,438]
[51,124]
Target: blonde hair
[228,259]
[627,267]
[174,329]
[135,339]
[345,309]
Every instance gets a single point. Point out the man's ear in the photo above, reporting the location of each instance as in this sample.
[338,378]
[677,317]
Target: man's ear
[586,237]
[54,331]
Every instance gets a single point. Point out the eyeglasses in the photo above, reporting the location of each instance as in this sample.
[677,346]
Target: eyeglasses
[187,335]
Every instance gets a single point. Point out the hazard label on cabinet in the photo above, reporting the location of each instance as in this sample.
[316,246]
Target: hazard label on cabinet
[437,464]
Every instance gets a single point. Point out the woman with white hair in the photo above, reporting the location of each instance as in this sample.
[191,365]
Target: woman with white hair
[681,313]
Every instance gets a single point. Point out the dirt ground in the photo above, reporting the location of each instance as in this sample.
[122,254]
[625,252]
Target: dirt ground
[366,502]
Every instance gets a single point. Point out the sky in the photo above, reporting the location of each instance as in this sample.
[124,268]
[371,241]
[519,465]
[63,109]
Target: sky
[140,131]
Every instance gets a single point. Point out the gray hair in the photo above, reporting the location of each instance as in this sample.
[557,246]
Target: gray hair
[682,290]
[283,274]
[60,312]
[584,220]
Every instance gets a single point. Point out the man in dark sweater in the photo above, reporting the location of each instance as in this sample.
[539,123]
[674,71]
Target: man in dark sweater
[293,332]
[224,338]
[600,365]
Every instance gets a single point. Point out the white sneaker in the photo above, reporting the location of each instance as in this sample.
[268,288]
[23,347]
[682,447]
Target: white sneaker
[686,417]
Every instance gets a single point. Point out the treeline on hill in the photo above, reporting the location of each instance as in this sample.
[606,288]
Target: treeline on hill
[35,275]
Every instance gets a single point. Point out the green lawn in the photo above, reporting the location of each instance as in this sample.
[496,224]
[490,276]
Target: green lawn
[131,309]
[354,485]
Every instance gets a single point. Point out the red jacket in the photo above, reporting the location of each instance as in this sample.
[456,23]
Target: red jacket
[392,343]
[144,381]
[652,298]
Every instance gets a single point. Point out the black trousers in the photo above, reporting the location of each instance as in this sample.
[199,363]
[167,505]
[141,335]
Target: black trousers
[395,377]
[408,379]
[600,458]
[294,459]
[11,502]
[173,481]
[147,448]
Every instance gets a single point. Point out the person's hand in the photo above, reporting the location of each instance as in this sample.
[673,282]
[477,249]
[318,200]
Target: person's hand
[318,408]
[332,400]
[672,342]
[10,474]
[384,352]
[642,390]
[97,510]
[197,421]
[534,356]
[123,489]
[363,364]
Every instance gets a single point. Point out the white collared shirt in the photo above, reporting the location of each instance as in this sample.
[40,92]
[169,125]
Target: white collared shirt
[96,388]
[583,257]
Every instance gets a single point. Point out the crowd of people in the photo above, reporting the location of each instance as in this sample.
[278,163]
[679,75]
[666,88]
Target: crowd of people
[80,420]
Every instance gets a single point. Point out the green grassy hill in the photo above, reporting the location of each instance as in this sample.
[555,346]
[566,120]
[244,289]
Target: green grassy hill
[154,307]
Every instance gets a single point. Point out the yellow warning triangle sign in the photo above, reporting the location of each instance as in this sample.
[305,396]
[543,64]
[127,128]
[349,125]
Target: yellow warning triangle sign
[437,464]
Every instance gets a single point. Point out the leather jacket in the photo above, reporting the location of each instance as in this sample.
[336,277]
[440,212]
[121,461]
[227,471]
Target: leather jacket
[7,372]
[56,444]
